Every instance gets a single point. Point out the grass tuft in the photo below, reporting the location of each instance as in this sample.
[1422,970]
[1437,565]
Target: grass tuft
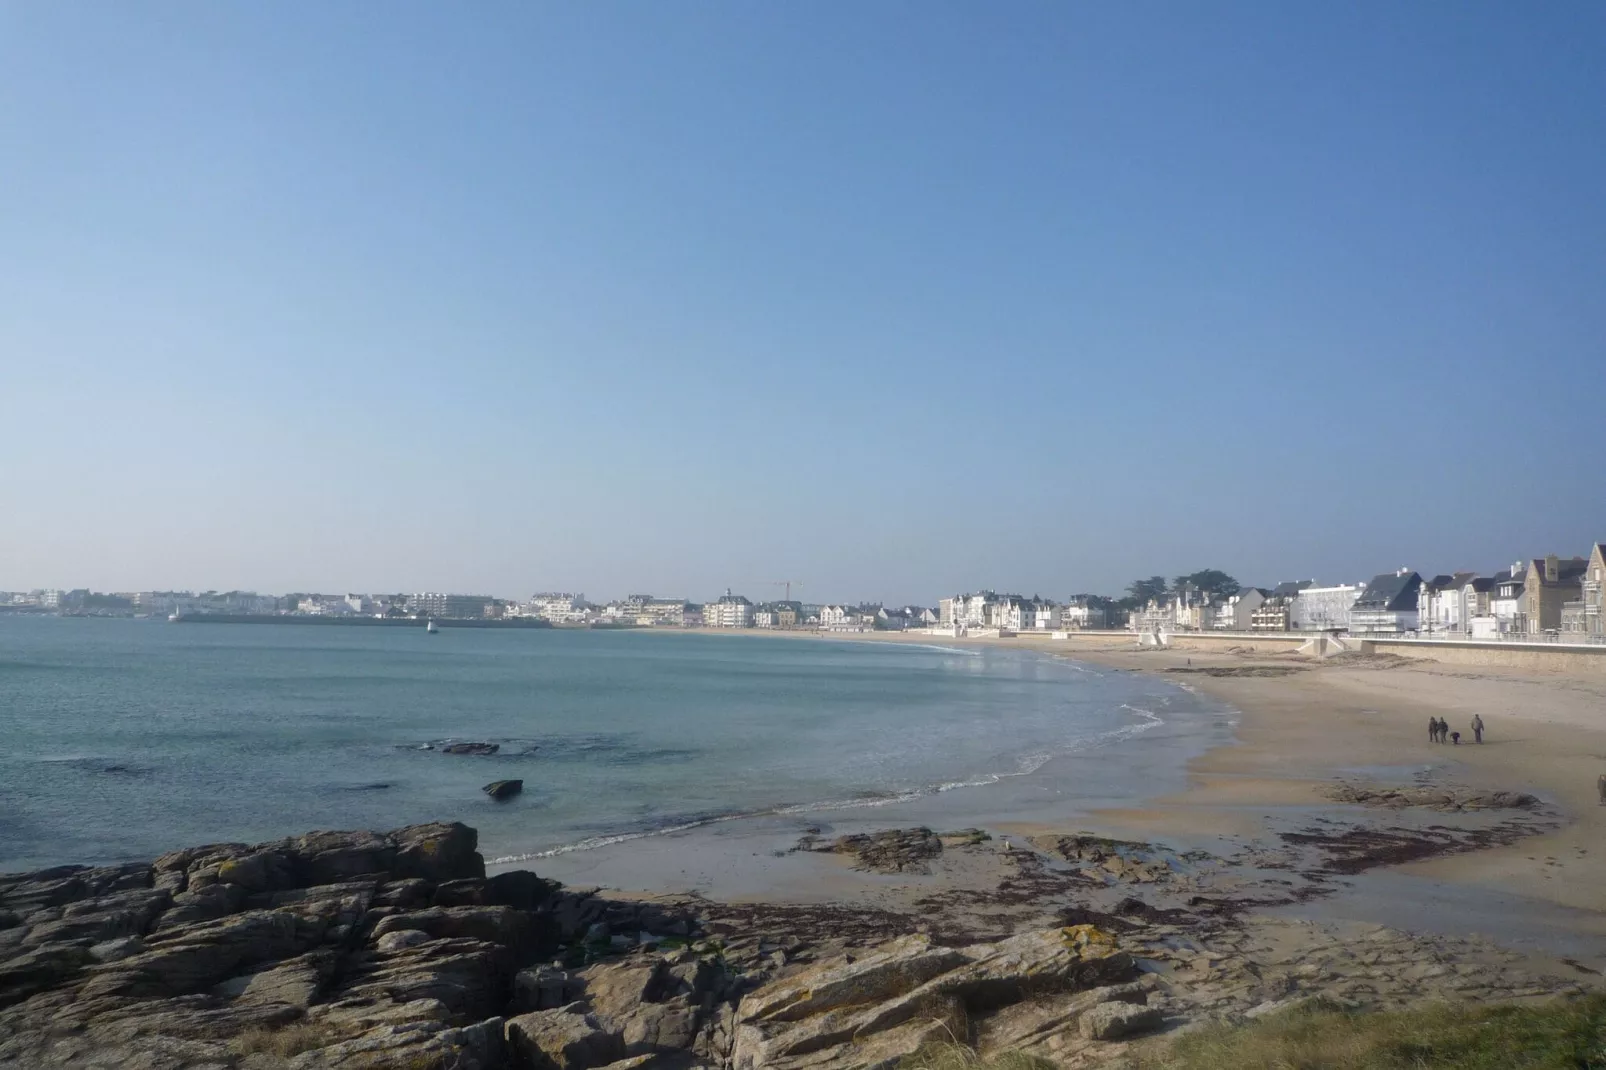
[284,1041]
[959,1057]
[1563,1035]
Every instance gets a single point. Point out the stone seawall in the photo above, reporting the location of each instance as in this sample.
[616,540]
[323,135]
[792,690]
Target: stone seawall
[1547,656]
[1553,657]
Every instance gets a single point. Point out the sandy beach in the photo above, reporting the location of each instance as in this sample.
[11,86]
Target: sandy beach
[1302,727]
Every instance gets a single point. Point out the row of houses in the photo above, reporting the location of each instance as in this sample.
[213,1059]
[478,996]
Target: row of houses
[735,611]
[1549,596]
[988,610]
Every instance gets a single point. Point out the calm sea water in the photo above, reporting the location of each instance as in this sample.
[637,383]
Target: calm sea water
[122,739]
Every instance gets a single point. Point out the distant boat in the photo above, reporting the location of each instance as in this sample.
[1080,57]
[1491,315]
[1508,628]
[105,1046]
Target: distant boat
[174,617]
[431,629]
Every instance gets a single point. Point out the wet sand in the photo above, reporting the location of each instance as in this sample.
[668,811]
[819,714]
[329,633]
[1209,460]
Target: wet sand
[1297,732]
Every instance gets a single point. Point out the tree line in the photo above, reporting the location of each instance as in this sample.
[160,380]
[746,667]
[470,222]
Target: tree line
[1211,582]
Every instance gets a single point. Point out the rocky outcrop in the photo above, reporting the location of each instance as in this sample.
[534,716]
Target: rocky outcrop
[332,949]
[503,789]
[1443,799]
[890,851]
[874,1008]
[569,1038]
[1107,860]
[425,963]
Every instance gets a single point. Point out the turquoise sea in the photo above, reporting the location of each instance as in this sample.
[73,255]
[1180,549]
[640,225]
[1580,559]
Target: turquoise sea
[120,739]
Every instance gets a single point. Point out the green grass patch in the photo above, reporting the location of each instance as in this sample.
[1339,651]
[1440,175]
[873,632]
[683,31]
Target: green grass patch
[1561,1035]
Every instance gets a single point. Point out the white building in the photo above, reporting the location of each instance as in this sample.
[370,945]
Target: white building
[971,610]
[1442,604]
[1319,609]
[1014,614]
[646,611]
[846,618]
[1079,615]
[731,611]
[320,606]
[559,607]
[1388,605]
[1046,617]
[1506,597]
[1237,614]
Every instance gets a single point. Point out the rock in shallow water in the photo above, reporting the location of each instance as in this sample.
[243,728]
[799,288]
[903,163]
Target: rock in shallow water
[501,790]
[481,749]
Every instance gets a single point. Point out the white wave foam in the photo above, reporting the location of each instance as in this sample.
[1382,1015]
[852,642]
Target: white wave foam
[1028,764]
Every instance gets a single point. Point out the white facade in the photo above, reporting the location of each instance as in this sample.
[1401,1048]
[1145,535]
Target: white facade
[315,606]
[1442,610]
[1046,617]
[1237,614]
[731,611]
[1318,609]
[559,607]
[1505,600]
[1014,615]
[1078,615]
[972,610]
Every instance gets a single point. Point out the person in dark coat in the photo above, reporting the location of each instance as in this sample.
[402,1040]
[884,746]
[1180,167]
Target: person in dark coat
[1433,729]
[1477,728]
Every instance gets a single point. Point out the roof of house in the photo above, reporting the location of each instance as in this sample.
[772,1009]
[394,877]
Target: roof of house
[1568,569]
[1390,591]
[1481,583]
[1290,588]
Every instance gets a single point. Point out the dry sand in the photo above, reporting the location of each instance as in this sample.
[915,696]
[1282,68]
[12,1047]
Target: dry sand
[1544,733]
[1367,718]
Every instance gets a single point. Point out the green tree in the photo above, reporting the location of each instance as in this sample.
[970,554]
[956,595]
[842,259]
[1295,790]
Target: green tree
[1211,581]
[1140,591]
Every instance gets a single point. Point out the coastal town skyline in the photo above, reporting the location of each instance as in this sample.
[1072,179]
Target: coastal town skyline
[1549,597]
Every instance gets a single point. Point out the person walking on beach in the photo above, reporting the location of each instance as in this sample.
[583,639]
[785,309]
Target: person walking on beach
[1477,728]
[1433,729]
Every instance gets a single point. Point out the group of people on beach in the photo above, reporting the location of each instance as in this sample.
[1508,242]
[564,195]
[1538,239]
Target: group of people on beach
[1439,731]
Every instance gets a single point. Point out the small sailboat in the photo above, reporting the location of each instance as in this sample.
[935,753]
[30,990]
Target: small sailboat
[429,627]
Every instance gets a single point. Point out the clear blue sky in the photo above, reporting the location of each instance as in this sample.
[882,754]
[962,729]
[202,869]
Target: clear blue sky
[895,299]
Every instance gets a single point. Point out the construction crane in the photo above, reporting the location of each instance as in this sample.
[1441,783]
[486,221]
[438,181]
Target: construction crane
[788,584]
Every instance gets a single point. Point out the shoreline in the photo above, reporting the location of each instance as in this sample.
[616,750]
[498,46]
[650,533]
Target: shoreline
[744,856]
[1313,723]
